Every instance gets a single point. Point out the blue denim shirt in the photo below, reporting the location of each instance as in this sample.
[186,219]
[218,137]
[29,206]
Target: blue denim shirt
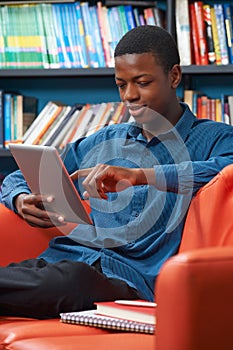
[136,230]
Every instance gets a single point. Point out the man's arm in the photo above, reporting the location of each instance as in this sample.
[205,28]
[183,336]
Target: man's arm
[105,178]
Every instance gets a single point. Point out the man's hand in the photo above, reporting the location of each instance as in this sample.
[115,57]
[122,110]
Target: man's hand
[108,178]
[31,208]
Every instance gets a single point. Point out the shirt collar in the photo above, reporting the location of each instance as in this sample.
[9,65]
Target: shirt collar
[183,126]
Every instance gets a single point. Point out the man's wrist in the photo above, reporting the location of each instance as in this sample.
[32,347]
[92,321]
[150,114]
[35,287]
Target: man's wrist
[146,176]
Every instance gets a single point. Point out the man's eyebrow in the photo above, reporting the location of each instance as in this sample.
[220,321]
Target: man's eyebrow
[136,77]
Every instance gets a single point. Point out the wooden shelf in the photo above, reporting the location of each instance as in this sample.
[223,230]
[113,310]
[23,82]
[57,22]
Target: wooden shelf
[61,72]
[98,72]
[209,69]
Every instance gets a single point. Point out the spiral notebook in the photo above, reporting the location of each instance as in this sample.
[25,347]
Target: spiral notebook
[91,318]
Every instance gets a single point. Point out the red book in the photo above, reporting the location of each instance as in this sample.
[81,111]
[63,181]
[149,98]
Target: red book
[194,36]
[202,41]
[131,310]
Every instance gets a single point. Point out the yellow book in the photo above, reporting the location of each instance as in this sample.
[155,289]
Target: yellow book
[215,37]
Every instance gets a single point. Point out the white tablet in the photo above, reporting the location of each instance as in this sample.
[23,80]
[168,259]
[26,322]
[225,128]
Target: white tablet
[45,173]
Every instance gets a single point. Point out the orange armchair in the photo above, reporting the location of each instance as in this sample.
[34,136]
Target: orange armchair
[194,290]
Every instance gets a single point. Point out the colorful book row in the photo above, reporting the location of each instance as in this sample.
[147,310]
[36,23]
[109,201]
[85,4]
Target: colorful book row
[217,109]
[58,124]
[204,32]
[67,35]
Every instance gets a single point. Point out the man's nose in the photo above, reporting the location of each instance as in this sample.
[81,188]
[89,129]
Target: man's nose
[131,93]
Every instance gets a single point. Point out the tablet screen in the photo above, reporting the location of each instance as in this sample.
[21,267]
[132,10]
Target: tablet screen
[45,173]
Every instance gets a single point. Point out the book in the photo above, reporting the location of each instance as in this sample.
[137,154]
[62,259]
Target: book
[131,310]
[228,18]
[215,37]
[183,31]
[230,103]
[209,33]
[62,128]
[51,35]
[26,112]
[194,36]
[203,50]
[218,8]
[97,36]
[104,33]
[2,136]
[42,122]
[92,318]
[89,39]
[7,107]
[45,139]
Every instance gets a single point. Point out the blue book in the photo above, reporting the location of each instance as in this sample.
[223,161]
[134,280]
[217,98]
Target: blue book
[1,119]
[7,107]
[221,33]
[68,33]
[130,17]
[97,36]
[228,18]
[63,56]
[81,36]
[88,29]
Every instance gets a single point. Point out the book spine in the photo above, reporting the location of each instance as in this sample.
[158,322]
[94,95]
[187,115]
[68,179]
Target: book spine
[7,118]
[81,32]
[194,36]
[41,32]
[198,7]
[130,17]
[1,119]
[123,19]
[228,17]
[215,37]
[97,36]
[183,31]
[74,37]
[149,16]
[85,12]
[209,33]
[221,33]
[49,23]
[101,10]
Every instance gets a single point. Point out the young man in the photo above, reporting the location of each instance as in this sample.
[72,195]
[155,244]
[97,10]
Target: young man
[139,177]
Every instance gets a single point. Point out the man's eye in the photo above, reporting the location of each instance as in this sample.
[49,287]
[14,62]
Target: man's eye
[143,83]
[120,86]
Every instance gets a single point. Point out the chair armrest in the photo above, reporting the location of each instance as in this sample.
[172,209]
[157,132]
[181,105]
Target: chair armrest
[195,301]
[21,241]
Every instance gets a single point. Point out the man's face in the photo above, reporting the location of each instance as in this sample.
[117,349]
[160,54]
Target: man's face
[144,86]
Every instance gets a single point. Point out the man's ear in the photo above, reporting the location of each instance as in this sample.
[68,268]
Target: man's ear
[175,75]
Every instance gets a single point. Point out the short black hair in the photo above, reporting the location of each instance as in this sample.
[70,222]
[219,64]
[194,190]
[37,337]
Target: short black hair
[150,38]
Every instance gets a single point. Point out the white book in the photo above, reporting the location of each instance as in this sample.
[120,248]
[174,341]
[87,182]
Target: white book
[230,102]
[56,125]
[83,126]
[183,31]
[94,124]
[63,137]
[44,123]
[37,120]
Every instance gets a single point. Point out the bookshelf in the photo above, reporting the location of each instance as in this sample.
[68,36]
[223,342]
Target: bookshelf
[97,84]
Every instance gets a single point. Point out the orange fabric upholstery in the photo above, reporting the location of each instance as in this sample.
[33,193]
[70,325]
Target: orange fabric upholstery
[21,241]
[115,341]
[210,221]
[194,289]
[195,301]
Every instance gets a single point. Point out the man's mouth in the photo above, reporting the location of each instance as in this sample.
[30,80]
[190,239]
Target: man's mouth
[136,110]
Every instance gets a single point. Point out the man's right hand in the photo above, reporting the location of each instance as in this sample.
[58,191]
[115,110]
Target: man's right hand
[31,208]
